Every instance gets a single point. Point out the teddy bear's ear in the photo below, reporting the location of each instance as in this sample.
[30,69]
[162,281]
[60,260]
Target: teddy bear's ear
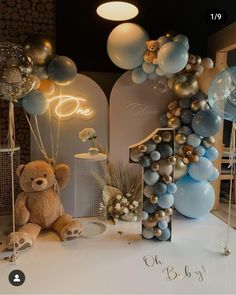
[19,169]
[62,173]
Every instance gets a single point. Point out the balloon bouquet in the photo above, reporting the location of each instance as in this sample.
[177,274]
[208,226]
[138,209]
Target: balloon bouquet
[168,62]
[27,75]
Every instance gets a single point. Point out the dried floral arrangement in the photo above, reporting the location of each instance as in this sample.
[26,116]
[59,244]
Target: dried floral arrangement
[121,192]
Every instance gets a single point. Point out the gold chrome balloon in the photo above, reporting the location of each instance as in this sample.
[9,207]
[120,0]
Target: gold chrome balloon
[166,136]
[40,48]
[198,105]
[180,138]
[174,123]
[153,199]
[157,138]
[180,168]
[150,222]
[171,160]
[142,148]
[155,166]
[185,85]
[167,179]
[160,214]
[157,232]
[169,211]
[208,141]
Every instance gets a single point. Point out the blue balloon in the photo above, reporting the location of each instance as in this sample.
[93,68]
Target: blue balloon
[172,57]
[138,76]
[163,120]
[211,153]
[35,103]
[165,201]
[201,170]
[194,198]
[206,123]
[62,70]
[194,140]
[148,68]
[155,156]
[148,207]
[171,188]
[144,161]
[182,39]
[200,150]
[152,76]
[151,146]
[184,103]
[186,130]
[160,188]
[144,215]
[165,150]
[215,174]
[151,177]
[162,224]
[165,235]
[186,116]
[221,94]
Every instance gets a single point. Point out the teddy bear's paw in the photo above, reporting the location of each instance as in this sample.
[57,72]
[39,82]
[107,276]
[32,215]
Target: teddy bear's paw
[20,239]
[71,231]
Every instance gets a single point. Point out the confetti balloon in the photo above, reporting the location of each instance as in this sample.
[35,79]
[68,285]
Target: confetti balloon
[17,71]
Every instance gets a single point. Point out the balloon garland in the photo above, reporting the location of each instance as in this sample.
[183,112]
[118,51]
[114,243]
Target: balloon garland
[168,62]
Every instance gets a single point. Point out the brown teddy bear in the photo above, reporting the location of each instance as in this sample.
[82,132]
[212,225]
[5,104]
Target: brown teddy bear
[39,206]
[150,55]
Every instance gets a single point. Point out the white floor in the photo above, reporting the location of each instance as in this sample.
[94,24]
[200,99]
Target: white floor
[114,262]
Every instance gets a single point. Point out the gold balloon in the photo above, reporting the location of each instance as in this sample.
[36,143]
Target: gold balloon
[166,136]
[174,123]
[169,211]
[160,214]
[198,59]
[206,78]
[155,166]
[47,87]
[180,168]
[185,85]
[157,138]
[157,232]
[167,179]
[142,148]
[40,48]
[153,199]
[150,222]
[171,160]
[198,105]
[180,138]
[135,155]
[208,141]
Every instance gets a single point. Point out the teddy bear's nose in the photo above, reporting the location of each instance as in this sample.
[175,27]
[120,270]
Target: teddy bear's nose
[39,182]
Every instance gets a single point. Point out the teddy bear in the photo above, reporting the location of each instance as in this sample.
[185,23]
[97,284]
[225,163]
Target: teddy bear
[150,55]
[39,206]
[188,154]
[173,110]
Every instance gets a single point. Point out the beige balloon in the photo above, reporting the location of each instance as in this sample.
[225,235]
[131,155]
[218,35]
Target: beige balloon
[207,77]
[180,168]
[164,167]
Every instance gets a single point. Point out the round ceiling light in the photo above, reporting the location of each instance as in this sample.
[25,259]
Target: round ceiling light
[117,10]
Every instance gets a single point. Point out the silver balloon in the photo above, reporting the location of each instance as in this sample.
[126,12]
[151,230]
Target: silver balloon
[180,168]
[17,71]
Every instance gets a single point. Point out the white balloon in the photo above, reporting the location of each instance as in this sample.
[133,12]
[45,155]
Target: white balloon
[138,76]
[207,63]
[126,45]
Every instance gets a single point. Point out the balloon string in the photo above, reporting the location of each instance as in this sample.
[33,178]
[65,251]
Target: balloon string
[51,132]
[232,173]
[39,136]
[58,130]
[11,145]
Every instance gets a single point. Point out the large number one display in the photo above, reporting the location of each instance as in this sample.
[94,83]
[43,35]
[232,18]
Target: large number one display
[156,156]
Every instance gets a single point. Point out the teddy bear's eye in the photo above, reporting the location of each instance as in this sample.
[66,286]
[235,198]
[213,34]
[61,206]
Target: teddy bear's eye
[31,179]
[45,175]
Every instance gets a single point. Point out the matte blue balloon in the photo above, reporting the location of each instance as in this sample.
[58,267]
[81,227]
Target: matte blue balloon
[201,170]
[144,215]
[144,161]
[151,177]
[206,123]
[171,188]
[163,40]
[166,201]
[194,198]
[186,130]
[162,224]
[155,156]
[222,93]
[182,39]
[148,68]
[148,207]
[186,116]
[151,146]
[35,103]
[163,120]
[165,150]
[215,174]
[152,76]
[172,57]
[160,188]
[184,103]
[138,76]
[211,153]
[62,70]
[194,140]
[165,235]
[200,150]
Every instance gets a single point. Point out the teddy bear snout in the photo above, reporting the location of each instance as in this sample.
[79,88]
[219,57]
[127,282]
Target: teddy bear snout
[39,184]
